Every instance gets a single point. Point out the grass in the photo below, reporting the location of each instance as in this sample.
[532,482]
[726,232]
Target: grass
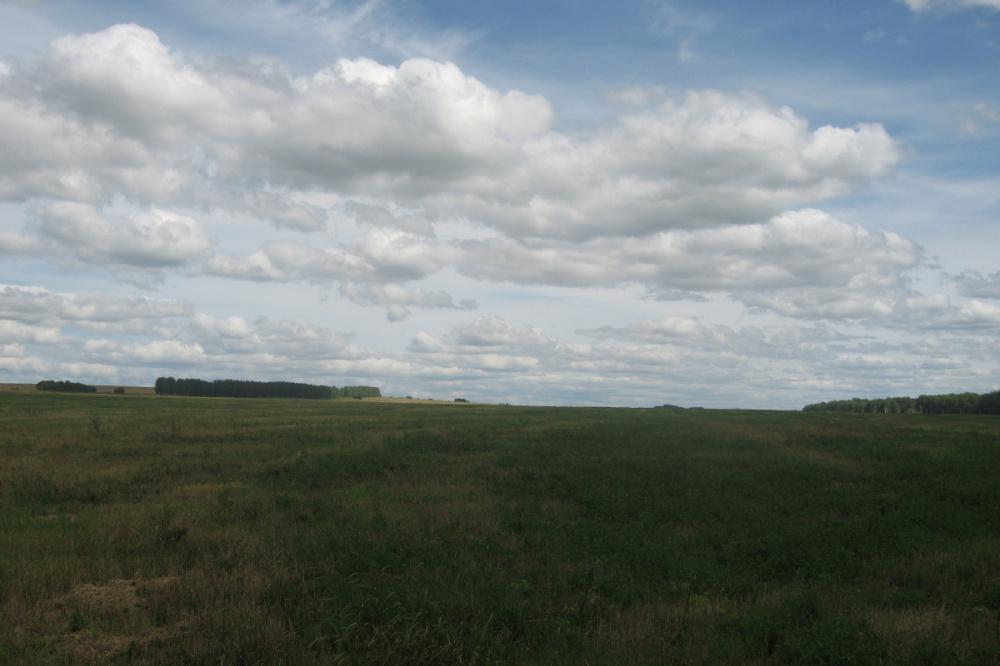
[142,529]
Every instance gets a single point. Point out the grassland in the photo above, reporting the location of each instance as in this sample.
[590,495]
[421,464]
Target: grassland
[143,529]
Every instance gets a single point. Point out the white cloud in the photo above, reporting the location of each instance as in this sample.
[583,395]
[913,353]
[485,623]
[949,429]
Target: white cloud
[874,35]
[256,267]
[14,331]
[802,263]
[229,328]
[686,335]
[301,341]
[164,352]
[14,361]
[492,331]
[926,5]
[684,26]
[126,77]
[98,372]
[972,121]
[975,285]
[806,255]
[152,239]
[285,212]
[35,321]
[709,159]
[17,243]
[942,314]
[685,195]
[37,305]
[369,273]
[115,113]
[420,185]
[395,298]
[670,360]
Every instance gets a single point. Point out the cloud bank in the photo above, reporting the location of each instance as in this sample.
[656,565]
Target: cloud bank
[415,188]
[703,179]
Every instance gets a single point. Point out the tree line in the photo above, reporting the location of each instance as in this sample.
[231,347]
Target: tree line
[238,388]
[951,403]
[64,387]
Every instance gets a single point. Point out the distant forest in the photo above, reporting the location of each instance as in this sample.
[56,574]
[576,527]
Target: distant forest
[64,387]
[952,403]
[236,388]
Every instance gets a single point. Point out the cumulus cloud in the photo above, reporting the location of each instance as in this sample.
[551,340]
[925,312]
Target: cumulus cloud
[254,124]
[126,77]
[707,159]
[489,345]
[14,360]
[172,337]
[684,193]
[370,271]
[152,239]
[381,256]
[797,249]
[228,328]
[976,285]
[690,337]
[256,267]
[395,298]
[160,352]
[802,263]
[17,243]
[936,311]
[131,157]
[14,331]
[493,331]
[302,340]
[37,305]
[117,113]
[497,358]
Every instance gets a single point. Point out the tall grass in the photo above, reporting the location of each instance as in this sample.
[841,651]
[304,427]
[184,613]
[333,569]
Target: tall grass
[142,529]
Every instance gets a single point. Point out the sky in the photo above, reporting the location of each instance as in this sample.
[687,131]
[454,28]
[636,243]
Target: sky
[567,202]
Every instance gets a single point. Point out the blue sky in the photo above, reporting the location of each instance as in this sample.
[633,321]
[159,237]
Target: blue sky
[702,203]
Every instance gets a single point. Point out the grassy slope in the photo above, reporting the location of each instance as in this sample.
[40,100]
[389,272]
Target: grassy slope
[161,530]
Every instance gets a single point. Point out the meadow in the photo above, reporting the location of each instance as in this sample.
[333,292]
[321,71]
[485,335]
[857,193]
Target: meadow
[161,530]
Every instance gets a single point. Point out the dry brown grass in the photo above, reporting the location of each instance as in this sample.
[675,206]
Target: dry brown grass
[415,401]
[965,633]
[674,627]
[103,622]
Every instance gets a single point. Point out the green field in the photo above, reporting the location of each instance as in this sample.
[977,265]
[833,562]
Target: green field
[142,529]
